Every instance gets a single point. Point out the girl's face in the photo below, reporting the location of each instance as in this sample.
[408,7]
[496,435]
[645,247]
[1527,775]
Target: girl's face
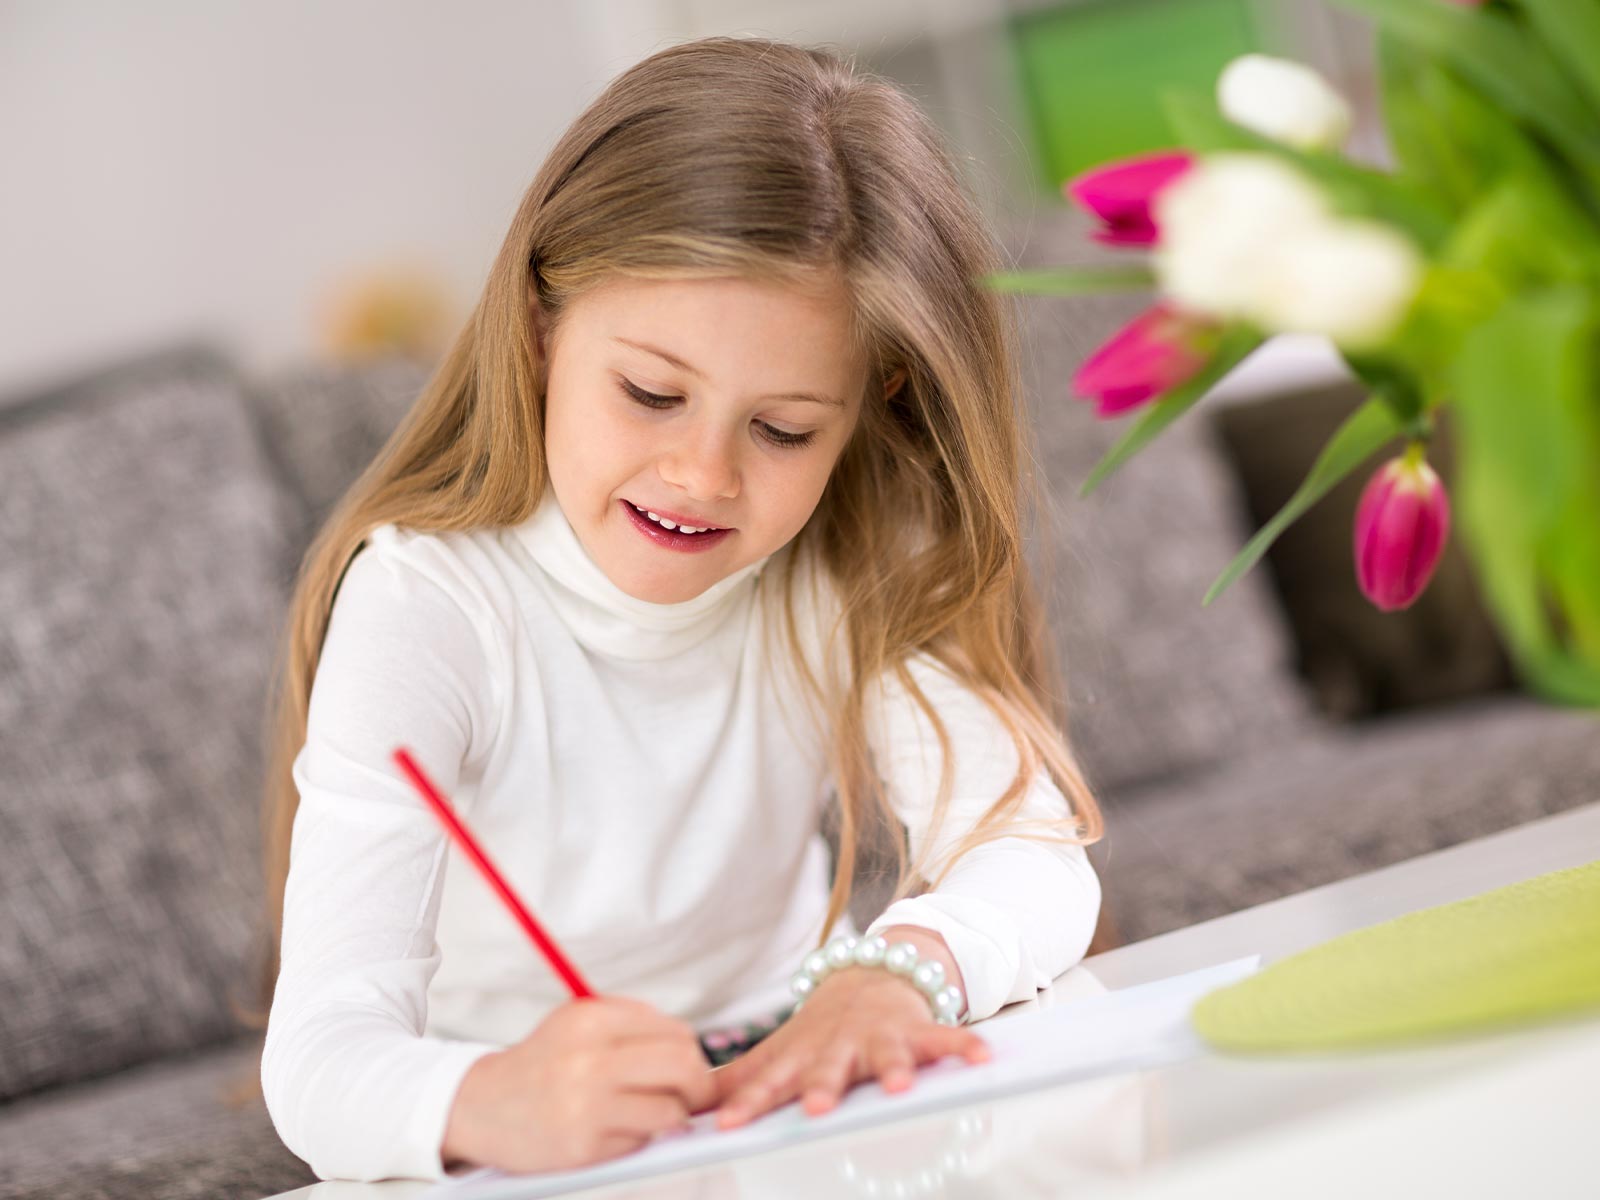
[688,398]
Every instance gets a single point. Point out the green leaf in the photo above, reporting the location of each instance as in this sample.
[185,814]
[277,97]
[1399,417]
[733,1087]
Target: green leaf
[1528,483]
[1570,30]
[1237,342]
[1427,143]
[1501,58]
[1363,433]
[1523,235]
[1071,281]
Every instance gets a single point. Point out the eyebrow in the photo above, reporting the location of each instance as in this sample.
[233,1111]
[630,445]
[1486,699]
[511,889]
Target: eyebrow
[829,401]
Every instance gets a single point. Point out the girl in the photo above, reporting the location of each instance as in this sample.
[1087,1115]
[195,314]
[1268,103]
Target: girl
[711,510]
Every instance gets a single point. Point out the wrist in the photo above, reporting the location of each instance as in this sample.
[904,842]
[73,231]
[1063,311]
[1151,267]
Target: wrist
[943,999]
[456,1147]
[931,947]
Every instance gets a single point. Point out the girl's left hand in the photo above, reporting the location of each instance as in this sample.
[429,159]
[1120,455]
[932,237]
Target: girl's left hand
[859,1023]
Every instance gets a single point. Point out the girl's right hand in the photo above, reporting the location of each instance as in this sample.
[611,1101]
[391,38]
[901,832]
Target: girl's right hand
[597,1078]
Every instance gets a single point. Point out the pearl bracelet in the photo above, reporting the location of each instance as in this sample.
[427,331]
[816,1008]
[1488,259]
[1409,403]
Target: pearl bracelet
[944,999]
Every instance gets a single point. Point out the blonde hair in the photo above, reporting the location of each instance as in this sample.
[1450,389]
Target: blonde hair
[765,160]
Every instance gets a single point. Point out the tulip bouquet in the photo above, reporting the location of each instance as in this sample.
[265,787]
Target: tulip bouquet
[1467,278]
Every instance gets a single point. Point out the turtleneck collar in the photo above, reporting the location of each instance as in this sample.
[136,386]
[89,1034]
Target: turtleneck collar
[605,618]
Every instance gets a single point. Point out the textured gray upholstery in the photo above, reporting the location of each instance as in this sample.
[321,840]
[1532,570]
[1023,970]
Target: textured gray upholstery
[1156,684]
[189,1126]
[322,425]
[1347,800]
[141,552]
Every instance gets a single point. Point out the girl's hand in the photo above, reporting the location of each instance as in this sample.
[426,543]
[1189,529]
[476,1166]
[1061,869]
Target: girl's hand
[859,1023]
[597,1078]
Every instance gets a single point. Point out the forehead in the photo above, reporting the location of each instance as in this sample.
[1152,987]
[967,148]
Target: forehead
[739,333]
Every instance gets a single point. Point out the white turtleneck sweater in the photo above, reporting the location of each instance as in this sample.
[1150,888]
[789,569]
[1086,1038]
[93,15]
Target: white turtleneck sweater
[645,780]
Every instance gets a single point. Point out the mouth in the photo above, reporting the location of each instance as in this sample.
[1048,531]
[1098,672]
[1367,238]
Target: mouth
[677,520]
[675,538]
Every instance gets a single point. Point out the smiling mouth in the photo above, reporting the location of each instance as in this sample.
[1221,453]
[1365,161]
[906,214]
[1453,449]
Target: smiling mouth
[644,512]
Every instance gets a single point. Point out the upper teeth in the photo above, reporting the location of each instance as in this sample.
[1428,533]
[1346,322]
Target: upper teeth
[660,520]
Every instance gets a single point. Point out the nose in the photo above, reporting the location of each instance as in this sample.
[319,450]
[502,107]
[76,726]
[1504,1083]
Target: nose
[702,462]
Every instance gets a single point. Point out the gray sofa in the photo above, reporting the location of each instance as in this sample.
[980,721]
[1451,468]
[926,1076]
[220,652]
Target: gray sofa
[152,515]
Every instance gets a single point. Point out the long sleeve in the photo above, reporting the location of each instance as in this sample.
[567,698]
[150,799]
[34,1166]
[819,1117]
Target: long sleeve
[351,1084]
[1015,912]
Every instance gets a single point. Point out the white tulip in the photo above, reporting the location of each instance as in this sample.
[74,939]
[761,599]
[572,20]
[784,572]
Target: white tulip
[1283,100]
[1220,222]
[1349,280]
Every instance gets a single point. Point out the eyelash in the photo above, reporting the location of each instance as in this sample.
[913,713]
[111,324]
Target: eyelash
[778,437]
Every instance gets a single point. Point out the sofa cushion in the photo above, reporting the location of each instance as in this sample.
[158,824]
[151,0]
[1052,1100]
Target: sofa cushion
[193,1125]
[142,577]
[324,423]
[1156,683]
[1350,799]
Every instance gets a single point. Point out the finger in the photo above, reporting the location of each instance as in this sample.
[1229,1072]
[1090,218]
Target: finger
[666,1065]
[769,1089]
[614,1145]
[642,1114]
[629,1018]
[827,1078]
[891,1058]
[933,1042]
[730,1077]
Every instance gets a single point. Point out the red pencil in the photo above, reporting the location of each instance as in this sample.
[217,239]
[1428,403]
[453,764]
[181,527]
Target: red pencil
[467,842]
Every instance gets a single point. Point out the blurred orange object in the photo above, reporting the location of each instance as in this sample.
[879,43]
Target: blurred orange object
[391,310]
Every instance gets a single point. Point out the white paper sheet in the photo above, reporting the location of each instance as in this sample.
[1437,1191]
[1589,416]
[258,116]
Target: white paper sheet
[1114,1032]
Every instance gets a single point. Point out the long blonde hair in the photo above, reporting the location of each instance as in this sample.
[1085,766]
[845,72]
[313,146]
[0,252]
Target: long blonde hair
[761,159]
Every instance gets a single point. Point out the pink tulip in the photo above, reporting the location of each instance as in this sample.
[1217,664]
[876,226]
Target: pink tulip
[1401,526]
[1155,352]
[1121,194]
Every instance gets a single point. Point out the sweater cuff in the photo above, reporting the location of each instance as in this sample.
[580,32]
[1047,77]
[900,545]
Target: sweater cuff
[982,939]
[419,1154]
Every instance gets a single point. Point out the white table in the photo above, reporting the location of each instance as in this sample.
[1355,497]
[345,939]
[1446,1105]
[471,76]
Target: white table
[1497,1115]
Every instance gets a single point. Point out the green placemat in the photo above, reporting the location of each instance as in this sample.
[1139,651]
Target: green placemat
[1515,954]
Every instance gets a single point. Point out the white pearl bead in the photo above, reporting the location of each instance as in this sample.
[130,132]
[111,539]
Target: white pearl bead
[840,952]
[901,958]
[870,951]
[949,1001]
[801,985]
[929,977]
[816,965]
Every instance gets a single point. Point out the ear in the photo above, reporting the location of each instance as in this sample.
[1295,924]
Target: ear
[892,385]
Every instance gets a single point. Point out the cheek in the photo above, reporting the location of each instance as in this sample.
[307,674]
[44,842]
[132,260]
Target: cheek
[585,440]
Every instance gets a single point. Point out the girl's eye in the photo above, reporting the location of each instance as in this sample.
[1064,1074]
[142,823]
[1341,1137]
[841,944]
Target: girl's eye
[778,437]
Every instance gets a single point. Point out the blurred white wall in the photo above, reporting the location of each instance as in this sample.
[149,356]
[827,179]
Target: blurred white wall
[186,166]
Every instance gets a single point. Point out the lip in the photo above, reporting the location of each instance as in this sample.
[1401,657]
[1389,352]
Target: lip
[671,539]
[680,519]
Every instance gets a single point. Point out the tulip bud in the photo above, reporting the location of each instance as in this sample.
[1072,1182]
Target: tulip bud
[1283,100]
[1120,193]
[1402,522]
[1152,354]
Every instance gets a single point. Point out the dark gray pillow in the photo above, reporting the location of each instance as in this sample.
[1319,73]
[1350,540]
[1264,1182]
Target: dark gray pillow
[142,582]
[1156,684]
[324,423]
